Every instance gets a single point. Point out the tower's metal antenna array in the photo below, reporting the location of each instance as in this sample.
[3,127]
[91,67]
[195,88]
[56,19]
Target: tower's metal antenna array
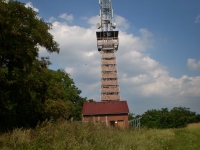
[107,44]
[106,15]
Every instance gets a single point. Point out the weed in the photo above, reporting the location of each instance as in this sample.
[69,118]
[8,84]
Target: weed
[84,136]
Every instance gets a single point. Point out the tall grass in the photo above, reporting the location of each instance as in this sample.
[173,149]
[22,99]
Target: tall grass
[89,136]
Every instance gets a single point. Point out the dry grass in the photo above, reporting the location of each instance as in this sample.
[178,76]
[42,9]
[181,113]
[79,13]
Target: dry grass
[79,136]
[194,126]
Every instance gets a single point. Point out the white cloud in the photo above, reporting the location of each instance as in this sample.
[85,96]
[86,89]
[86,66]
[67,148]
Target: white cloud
[67,17]
[197,19]
[131,42]
[93,20]
[121,22]
[29,4]
[165,86]
[193,65]
[52,19]
[144,82]
[69,70]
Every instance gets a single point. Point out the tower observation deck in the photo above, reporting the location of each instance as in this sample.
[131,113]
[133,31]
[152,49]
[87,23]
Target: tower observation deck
[107,44]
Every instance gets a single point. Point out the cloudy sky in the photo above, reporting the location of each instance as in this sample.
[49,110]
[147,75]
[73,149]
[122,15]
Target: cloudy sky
[159,49]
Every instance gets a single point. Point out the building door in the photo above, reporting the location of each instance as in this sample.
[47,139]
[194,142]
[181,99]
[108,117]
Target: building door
[120,123]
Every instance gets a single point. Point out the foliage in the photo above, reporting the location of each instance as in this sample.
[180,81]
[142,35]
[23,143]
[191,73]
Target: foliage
[131,116]
[197,118]
[30,92]
[63,95]
[54,110]
[83,136]
[176,118]
[90,100]
[22,76]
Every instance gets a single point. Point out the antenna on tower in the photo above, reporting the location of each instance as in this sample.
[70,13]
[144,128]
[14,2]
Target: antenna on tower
[106,16]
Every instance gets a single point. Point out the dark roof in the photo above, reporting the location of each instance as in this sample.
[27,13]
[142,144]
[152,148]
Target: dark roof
[97,108]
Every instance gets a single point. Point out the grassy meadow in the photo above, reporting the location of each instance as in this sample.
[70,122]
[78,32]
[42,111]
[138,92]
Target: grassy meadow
[79,136]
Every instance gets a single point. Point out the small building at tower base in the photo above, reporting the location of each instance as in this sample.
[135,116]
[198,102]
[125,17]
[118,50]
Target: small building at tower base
[112,113]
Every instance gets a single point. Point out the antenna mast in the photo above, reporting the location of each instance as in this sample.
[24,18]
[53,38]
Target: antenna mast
[107,44]
[106,15]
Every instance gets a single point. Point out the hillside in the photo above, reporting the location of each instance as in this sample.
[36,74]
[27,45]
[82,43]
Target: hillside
[80,136]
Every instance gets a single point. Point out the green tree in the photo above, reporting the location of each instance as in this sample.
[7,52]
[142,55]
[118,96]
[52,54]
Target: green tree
[62,91]
[175,118]
[197,118]
[90,100]
[23,78]
[150,118]
[131,116]
[181,116]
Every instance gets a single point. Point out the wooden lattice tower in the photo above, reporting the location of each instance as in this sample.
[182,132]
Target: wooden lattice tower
[107,44]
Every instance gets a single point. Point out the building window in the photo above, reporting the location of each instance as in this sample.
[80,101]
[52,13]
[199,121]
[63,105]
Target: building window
[112,123]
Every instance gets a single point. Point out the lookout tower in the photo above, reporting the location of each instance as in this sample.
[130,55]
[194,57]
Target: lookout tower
[107,44]
[110,110]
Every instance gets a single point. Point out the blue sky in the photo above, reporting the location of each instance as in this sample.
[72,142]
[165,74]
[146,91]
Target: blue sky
[159,50]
